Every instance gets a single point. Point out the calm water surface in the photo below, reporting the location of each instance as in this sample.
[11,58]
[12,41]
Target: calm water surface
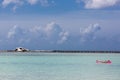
[59,67]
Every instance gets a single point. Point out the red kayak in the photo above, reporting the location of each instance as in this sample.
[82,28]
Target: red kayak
[105,62]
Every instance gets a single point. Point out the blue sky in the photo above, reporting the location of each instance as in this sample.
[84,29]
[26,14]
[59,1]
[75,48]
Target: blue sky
[60,24]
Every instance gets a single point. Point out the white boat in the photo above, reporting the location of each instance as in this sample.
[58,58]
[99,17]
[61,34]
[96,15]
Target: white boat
[21,49]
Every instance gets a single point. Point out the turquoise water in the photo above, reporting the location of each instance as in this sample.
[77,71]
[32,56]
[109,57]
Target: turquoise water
[59,67]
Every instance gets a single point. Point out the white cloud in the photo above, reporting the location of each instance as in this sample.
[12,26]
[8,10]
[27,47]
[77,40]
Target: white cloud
[17,35]
[51,33]
[17,3]
[41,2]
[7,2]
[52,28]
[64,37]
[54,31]
[32,2]
[15,32]
[88,33]
[97,4]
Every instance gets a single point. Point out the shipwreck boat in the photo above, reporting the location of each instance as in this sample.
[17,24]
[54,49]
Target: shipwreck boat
[105,61]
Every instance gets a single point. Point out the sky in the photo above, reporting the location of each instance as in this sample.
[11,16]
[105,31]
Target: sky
[60,24]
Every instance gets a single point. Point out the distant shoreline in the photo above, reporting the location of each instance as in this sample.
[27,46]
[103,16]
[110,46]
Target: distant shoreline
[61,51]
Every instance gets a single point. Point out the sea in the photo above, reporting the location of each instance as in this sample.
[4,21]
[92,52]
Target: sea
[59,66]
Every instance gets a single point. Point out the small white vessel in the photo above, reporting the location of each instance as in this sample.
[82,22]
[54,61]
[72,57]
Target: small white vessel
[21,49]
